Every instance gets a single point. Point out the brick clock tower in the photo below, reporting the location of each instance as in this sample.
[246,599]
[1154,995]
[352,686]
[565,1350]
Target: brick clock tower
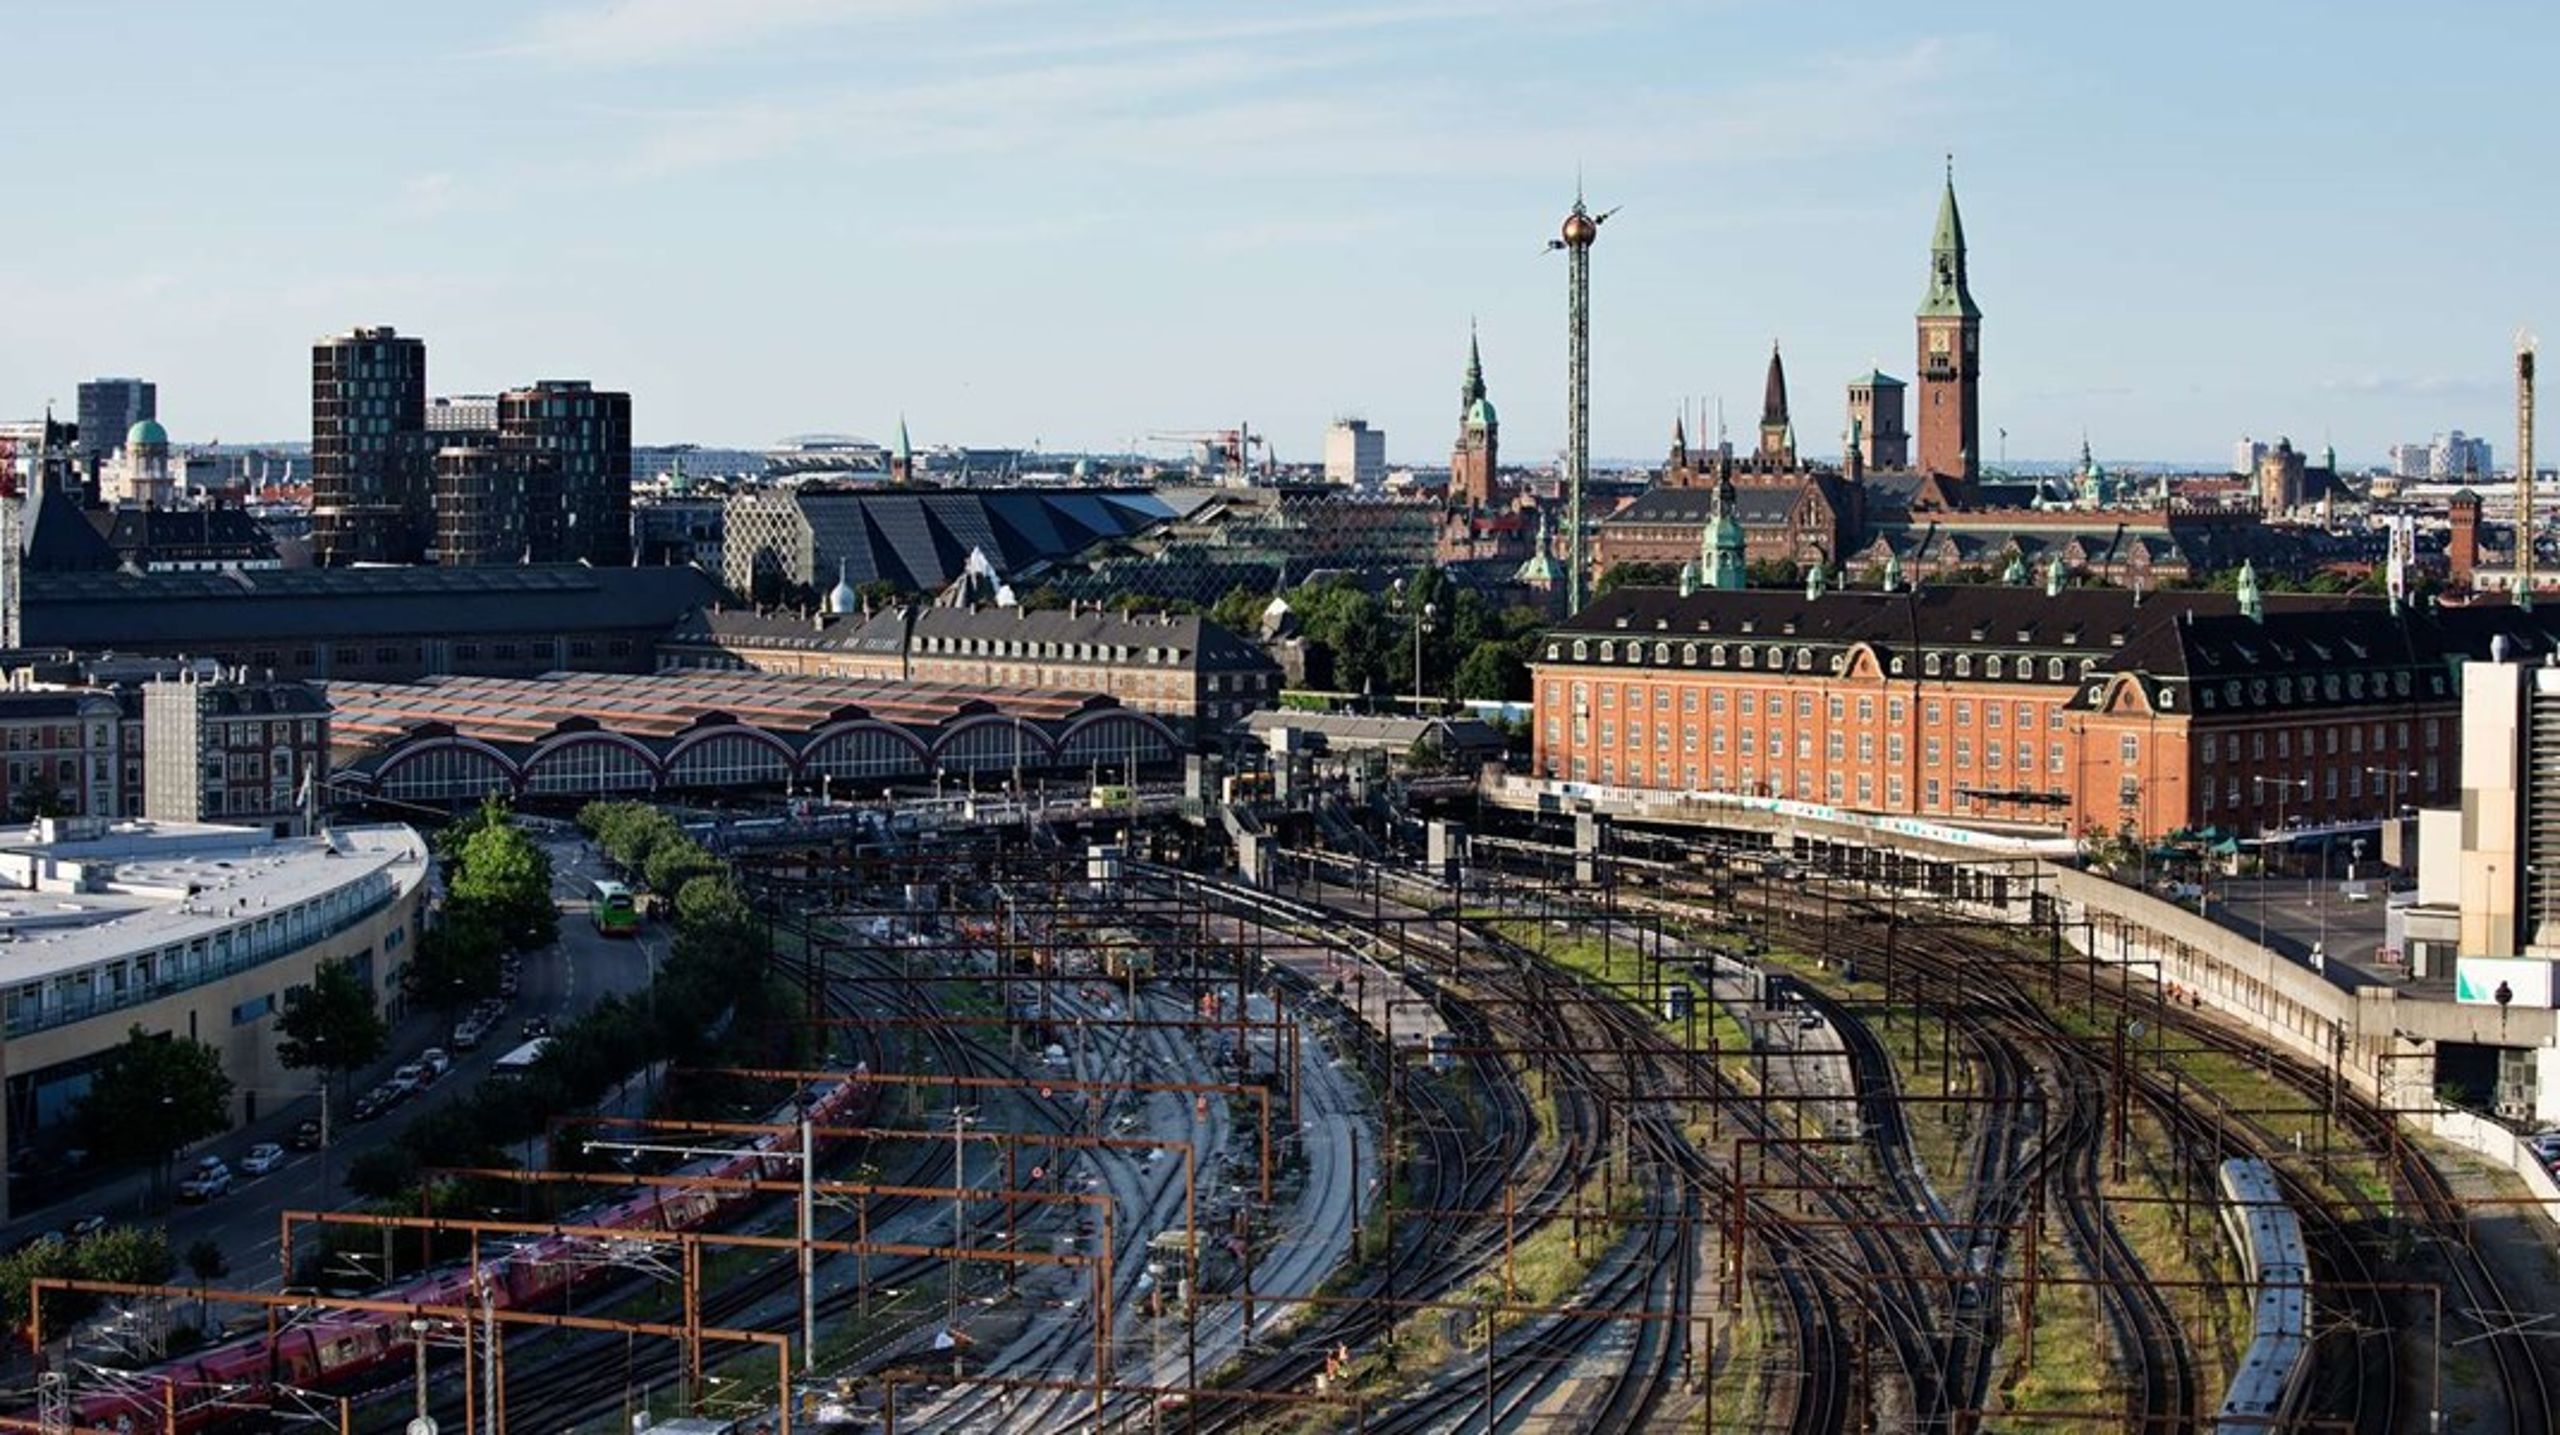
[1950,355]
[1474,460]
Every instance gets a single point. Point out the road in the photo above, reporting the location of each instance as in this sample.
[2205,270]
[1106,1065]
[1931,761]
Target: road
[558,982]
[2299,914]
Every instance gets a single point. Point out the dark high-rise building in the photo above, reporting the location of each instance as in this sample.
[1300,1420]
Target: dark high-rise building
[372,499]
[109,407]
[480,505]
[553,485]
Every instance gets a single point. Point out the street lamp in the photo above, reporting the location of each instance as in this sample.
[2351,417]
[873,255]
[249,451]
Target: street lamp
[2284,787]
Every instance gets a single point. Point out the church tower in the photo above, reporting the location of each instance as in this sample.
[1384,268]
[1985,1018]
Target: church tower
[1472,462]
[1777,432]
[1950,340]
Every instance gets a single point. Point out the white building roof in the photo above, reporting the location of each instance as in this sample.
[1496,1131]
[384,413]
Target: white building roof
[70,900]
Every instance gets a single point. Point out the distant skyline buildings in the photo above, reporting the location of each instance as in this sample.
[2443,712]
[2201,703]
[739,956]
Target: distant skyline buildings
[109,408]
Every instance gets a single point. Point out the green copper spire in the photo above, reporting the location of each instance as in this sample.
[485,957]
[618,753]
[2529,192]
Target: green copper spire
[1475,411]
[1948,297]
[1721,546]
[906,451]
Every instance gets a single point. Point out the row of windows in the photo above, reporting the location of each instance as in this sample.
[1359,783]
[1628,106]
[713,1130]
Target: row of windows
[1029,648]
[2230,792]
[1751,702]
[2215,750]
[1776,657]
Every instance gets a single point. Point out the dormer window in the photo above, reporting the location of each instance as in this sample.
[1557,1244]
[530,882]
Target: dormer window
[2053,669]
[1929,665]
[1992,667]
[1964,665]
[1688,655]
[1748,658]
[1716,656]
[1662,655]
[1581,650]
[1608,652]
[1804,660]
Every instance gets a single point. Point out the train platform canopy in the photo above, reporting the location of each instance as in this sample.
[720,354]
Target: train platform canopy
[578,735]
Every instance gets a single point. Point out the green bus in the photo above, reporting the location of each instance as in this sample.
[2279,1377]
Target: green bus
[609,905]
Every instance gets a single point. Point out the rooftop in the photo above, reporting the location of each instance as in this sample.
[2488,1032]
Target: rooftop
[75,894]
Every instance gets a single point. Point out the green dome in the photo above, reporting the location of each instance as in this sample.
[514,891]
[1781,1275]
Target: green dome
[147,432]
[1480,415]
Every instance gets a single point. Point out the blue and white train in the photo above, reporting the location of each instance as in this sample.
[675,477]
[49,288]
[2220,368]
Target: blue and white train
[2268,1234]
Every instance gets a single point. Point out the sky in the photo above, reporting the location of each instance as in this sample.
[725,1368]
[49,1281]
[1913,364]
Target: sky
[1077,222]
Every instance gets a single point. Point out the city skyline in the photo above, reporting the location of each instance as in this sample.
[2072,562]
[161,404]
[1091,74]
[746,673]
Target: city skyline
[1020,230]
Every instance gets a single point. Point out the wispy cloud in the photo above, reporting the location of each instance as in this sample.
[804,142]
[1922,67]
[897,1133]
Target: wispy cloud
[2412,385]
[626,33]
[425,196]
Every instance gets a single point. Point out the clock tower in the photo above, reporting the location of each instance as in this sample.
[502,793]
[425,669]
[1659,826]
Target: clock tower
[1950,362]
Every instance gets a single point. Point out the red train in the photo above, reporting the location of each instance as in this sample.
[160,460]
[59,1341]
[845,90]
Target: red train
[213,1387]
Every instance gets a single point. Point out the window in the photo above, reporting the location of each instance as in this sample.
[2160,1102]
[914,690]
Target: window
[1893,710]
[1866,747]
[1839,708]
[1866,709]
[1804,709]
[1991,714]
[1930,751]
[1715,701]
[2129,748]
[1893,749]
[1964,752]
[2212,750]
[1964,714]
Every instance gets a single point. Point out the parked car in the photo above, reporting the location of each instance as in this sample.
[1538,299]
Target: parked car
[435,1061]
[468,1036]
[262,1158]
[535,1026]
[86,1226]
[209,1178]
[306,1134]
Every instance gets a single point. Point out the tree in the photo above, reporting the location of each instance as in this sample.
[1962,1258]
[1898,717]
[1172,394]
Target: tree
[331,1026]
[507,876]
[672,864]
[205,1260]
[457,960]
[41,797]
[1637,575]
[154,1093]
[1492,672]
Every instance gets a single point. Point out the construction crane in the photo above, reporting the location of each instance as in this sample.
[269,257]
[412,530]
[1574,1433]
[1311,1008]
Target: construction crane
[1228,450]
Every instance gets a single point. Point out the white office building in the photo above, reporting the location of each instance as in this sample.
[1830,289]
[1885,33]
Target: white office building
[1355,454]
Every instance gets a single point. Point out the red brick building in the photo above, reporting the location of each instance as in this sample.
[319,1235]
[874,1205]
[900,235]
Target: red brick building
[2083,709]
